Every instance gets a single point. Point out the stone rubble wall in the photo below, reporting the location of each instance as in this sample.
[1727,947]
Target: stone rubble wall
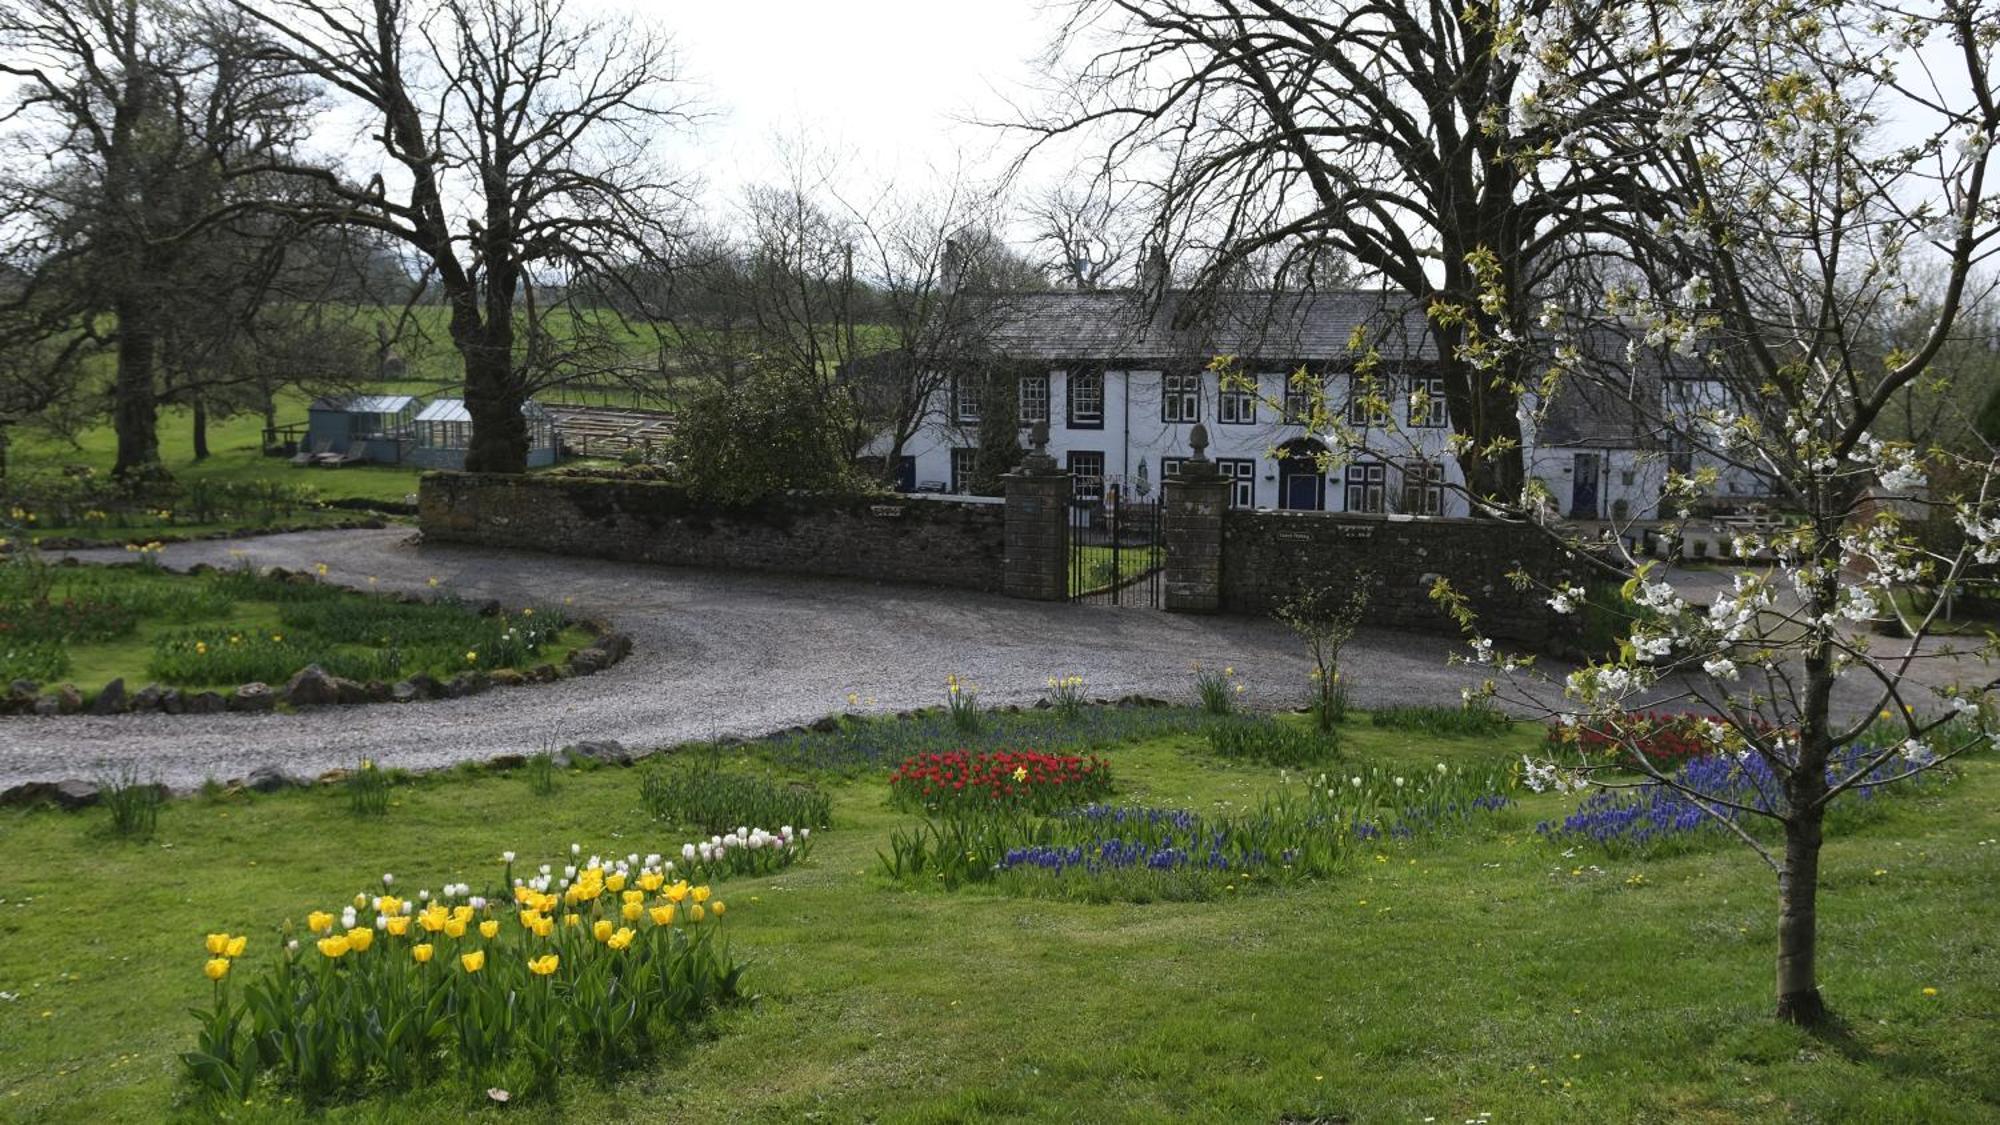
[934,542]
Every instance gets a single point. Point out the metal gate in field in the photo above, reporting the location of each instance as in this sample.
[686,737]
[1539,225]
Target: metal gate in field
[1116,551]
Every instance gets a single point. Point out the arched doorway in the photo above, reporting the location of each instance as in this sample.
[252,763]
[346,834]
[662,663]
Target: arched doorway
[1301,481]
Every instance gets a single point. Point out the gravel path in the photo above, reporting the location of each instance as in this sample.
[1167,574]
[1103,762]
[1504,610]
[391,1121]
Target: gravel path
[714,654]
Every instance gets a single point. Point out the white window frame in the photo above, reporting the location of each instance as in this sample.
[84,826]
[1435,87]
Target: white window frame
[1081,484]
[1366,488]
[1241,473]
[1423,488]
[1236,406]
[1034,398]
[963,460]
[1090,415]
[1435,415]
[965,401]
[1180,397]
[1358,412]
[1299,400]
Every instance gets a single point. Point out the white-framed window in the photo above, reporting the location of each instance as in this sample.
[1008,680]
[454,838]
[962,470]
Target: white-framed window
[1360,389]
[1086,471]
[1236,405]
[1423,488]
[961,469]
[1034,398]
[1180,396]
[1367,486]
[1433,414]
[965,400]
[1241,472]
[1299,396]
[1086,400]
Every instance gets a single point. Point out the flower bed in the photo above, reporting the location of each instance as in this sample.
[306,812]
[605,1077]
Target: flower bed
[1011,779]
[1667,740]
[1101,851]
[588,968]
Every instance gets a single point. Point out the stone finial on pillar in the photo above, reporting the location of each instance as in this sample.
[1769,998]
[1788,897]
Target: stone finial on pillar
[1198,466]
[1038,459]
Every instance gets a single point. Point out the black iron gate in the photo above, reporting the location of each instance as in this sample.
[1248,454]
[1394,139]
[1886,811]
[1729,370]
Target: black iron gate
[1116,551]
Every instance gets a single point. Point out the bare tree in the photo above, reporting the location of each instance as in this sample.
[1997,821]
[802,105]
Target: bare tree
[126,112]
[1408,137]
[1079,235]
[520,167]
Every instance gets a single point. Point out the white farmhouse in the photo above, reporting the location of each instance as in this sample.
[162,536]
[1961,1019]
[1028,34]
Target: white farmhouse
[1120,386]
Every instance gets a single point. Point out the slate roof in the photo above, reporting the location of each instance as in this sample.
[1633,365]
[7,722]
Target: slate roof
[1105,326]
[1622,407]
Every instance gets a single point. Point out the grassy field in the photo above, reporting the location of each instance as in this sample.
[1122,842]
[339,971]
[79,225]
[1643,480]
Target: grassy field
[1093,568]
[1491,974]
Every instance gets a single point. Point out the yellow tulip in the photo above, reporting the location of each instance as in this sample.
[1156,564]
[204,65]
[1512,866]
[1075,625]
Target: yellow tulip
[432,918]
[454,928]
[335,946]
[602,930]
[422,953]
[544,965]
[663,916]
[398,925]
[489,928]
[632,911]
[473,961]
[615,883]
[701,893]
[633,896]
[216,969]
[462,914]
[719,907]
[544,925]
[572,920]
[622,938]
[237,945]
[677,892]
[650,881]
[217,943]
[695,913]
[319,921]
[360,901]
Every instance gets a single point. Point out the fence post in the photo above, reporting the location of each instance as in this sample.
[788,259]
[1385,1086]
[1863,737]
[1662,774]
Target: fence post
[1194,502]
[1037,531]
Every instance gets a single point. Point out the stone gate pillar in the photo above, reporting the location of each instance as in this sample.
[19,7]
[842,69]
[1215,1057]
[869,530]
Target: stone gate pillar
[1037,530]
[1195,501]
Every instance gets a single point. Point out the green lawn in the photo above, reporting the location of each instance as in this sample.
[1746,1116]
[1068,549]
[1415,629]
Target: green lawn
[1490,974]
[1093,568]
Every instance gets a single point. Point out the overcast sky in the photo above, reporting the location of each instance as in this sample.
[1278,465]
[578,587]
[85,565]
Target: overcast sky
[884,82]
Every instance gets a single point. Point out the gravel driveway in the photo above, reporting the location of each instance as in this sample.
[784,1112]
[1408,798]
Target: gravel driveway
[714,654]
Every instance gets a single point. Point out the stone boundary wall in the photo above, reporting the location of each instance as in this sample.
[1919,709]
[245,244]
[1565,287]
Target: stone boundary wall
[1266,556]
[953,543]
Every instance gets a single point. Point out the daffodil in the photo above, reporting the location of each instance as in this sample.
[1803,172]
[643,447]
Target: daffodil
[216,968]
[473,961]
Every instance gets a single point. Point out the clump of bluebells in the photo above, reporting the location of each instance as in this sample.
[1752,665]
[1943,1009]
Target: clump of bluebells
[1309,829]
[1652,818]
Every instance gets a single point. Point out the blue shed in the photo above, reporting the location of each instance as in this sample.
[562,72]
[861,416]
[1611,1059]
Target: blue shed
[359,428]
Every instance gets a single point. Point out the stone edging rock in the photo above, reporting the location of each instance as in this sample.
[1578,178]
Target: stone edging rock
[75,543]
[312,686]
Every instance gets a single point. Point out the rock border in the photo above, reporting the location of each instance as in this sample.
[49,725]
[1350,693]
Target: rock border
[75,543]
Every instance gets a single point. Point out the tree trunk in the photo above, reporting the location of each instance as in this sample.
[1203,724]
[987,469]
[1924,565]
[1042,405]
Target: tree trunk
[6,437]
[134,403]
[1799,1000]
[499,441]
[200,429]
